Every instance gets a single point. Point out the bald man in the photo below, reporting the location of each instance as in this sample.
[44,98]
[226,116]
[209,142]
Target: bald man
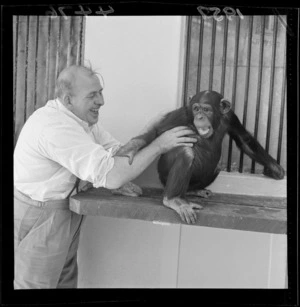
[60,144]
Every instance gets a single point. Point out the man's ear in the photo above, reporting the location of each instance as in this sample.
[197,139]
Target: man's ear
[225,106]
[67,101]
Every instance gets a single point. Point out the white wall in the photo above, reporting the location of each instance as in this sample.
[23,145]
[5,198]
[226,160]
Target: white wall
[140,60]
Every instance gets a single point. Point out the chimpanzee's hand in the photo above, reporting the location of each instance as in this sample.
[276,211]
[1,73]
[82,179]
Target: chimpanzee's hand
[174,138]
[130,149]
[274,171]
[128,189]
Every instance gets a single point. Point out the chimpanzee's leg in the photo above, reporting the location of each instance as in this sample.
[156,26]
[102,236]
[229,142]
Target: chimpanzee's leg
[177,184]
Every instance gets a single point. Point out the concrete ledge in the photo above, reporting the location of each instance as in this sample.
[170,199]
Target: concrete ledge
[230,211]
[248,184]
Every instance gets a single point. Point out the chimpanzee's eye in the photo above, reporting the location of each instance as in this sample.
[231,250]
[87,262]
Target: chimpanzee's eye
[205,109]
[195,108]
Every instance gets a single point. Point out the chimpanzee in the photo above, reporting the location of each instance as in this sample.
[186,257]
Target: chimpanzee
[189,170]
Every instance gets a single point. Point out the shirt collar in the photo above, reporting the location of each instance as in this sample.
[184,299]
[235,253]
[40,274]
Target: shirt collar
[56,103]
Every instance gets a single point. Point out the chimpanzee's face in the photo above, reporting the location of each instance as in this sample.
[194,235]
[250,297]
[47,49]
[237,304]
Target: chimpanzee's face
[208,107]
[203,114]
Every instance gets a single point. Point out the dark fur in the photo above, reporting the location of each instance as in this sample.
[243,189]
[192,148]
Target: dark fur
[184,168]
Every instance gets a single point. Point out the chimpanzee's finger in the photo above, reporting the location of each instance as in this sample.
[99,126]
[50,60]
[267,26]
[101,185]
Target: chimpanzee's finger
[193,216]
[182,216]
[197,207]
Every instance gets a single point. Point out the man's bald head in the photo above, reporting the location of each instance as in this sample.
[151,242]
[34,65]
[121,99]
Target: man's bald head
[66,81]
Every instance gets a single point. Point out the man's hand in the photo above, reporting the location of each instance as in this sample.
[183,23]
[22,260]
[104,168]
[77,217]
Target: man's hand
[128,189]
[175,137]
[87,185]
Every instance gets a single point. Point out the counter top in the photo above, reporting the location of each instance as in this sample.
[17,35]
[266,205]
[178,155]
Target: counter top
[240,212]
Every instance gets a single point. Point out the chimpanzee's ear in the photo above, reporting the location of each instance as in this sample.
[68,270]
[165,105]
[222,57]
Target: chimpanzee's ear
[225,106]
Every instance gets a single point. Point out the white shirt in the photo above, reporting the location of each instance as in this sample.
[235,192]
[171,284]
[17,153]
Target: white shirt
[54,147]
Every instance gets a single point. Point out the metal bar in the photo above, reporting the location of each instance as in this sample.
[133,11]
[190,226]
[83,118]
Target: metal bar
[247,85]
[31,66]
[70,41]
[200,55]
[58,50]
[236,54]
[26,68]
[82,39]
[212,55]
[36,60]
[272,77]
[187,59]
[16,41]
[283,98]
[42,62]
[52,58]
[21,84]
[224,56]
[259,83]
[48,60]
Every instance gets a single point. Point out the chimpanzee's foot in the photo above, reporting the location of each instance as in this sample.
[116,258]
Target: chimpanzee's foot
[128,189]
[201,193]
[185,209]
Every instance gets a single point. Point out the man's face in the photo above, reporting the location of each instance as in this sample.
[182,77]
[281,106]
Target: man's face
[87,98]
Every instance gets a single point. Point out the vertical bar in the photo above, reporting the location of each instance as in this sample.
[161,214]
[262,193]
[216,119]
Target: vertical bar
[82,40]
[212,55]
[272,76]
[200,55]
[16,40]
[236,51]
[65,43]
[26,68]
[281,113]
[75,43]
[53,57]
[48,59]
[20,76]
[71,39]
[224,56]
[42,62]
[30,107]
[36,60]
[187,59]
[58,50]
[261,55]
[247,85]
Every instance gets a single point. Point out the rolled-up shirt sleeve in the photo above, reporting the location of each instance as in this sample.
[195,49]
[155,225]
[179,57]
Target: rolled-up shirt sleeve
[75,150]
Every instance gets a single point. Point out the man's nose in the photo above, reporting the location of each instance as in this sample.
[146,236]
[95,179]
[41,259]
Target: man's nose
[99,100]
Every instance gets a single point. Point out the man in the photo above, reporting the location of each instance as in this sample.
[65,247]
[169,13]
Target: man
[59,143]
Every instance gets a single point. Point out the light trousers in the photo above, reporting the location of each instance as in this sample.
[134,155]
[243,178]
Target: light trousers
[46,237]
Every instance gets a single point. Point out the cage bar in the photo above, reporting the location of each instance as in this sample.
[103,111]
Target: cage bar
[258,98]
[247,85]
[236,54]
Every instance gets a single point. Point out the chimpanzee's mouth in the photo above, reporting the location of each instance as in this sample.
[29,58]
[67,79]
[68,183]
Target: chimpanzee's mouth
[205,132]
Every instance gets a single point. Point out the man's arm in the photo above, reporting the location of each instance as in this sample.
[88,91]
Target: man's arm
[123,172]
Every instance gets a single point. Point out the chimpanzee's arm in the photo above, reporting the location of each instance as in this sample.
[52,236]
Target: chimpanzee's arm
[137,143]
[155,128]
[246,142]
[146,136]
